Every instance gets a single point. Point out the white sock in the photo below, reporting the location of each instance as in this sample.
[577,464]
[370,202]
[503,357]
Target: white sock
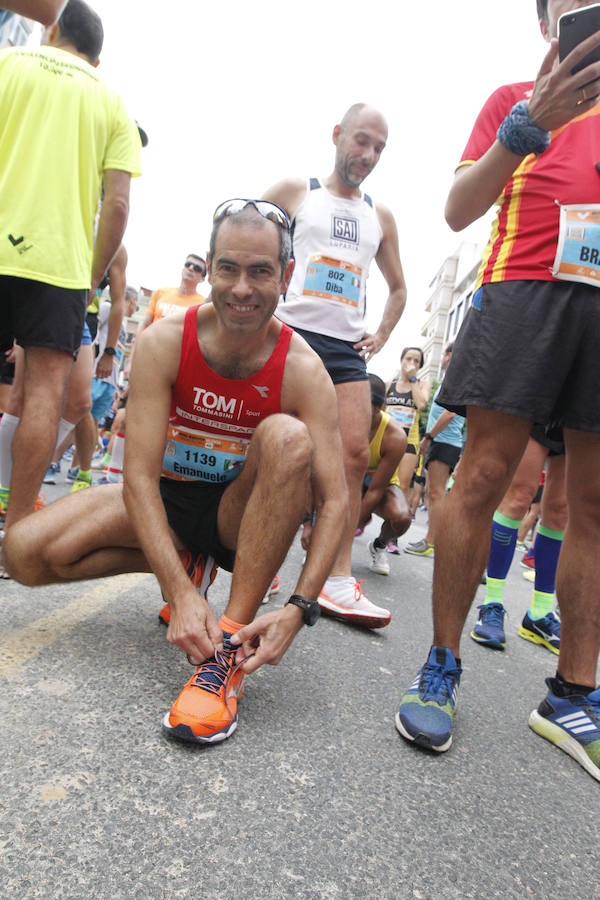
[64,428]
[8,426]
[115,468]
[118,452]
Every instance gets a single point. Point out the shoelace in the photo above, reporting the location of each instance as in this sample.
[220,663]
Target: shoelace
[552,623]
[216,672]
[436,682]
[494,614]
[357,590]
[213,673]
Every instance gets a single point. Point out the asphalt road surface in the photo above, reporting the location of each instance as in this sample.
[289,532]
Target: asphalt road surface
[315,795]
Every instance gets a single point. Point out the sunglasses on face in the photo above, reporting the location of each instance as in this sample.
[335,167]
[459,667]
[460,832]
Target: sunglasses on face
[195,267]
[266,209]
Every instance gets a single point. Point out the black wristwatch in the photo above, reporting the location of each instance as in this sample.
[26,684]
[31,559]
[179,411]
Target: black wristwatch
[110,351]
[310,608]
[429,437]
[412,379]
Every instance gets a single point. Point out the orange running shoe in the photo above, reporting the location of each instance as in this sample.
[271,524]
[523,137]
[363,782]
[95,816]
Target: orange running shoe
[206,710]
[201,570]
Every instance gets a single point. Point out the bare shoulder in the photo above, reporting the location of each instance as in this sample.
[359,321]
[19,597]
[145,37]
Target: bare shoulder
[394,439]
[160,345]
[394,430]
[386,218]
[288,194]
[306,382]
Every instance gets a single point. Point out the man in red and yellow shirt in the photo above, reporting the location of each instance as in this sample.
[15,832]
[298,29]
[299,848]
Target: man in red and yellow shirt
[527,352]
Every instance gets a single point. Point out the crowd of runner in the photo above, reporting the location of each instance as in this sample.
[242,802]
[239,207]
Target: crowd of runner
[239,419]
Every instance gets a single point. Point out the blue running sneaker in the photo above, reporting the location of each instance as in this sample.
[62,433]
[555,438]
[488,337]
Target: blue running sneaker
[489,628]
[427,708]
[573,724]
[53,471]
[72,473]
[545,631]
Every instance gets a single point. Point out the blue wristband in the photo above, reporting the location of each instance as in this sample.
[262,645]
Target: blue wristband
[519,135]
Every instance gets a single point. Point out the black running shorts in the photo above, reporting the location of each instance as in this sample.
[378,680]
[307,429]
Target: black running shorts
[341,360]
[550,438]
[192,509]
[445,453]
[41,315]
[529,349]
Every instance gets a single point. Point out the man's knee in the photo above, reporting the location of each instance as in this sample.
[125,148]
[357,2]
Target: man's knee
[484,477]
[77,407]
[285,443]
[518,500]
[401,521]
[21,559]
[356,456]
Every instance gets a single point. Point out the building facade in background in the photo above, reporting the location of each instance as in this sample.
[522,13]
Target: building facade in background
[15,30]
[451,291]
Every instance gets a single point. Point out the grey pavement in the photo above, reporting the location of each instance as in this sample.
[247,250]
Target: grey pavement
[315,795]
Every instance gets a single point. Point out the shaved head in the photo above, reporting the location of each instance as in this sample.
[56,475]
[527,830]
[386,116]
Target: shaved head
[360,111]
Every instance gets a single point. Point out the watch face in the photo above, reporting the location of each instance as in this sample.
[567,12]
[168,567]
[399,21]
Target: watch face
[313,614]
[311,610]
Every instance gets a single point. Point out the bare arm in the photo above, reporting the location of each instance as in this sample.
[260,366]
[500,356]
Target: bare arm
[288,194]
[118,283]
[112,222]
[421,391]
[442,423]
[388,260]
[314,401]
[393,447]
[192,627]
[554,103]
[44,11]
[308,394]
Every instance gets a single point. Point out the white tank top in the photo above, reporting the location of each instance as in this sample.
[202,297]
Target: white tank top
[334,241]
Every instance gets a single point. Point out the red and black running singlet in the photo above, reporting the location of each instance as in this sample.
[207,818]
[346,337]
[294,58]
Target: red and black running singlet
[212,419]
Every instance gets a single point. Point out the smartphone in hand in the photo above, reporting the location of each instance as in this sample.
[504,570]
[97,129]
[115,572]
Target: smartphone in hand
[573,28]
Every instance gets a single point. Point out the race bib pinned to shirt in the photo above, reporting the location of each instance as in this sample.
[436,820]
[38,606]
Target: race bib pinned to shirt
[332,279]
[404,415]
[578,251]
[192,456]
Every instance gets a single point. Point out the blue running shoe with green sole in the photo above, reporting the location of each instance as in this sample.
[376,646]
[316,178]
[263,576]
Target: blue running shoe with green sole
[571,723]
[545,631]
[489,628]
[427,708]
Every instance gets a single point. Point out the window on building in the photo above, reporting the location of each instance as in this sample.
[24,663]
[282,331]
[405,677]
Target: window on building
[459,314]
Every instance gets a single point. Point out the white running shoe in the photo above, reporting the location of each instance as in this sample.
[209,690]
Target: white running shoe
[273,589]
[379,560]
[342,598]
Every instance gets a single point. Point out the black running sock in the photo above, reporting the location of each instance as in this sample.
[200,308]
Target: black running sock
[562,688]
[379,544]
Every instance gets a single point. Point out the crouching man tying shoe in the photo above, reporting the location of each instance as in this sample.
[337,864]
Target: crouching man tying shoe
[249,441]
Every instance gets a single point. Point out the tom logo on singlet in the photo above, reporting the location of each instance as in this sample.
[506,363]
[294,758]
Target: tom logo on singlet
[344,229]
[209,400]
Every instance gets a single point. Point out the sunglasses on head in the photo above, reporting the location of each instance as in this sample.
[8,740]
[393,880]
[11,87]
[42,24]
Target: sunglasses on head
[195,267]
[266,209]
